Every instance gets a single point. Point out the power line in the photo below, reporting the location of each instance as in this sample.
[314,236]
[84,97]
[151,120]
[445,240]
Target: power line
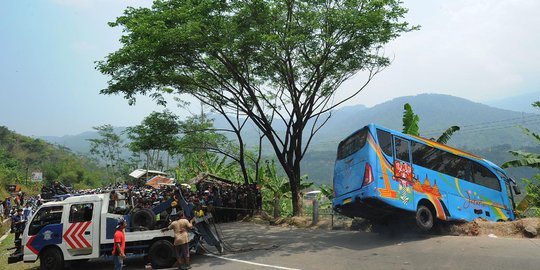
[491,125]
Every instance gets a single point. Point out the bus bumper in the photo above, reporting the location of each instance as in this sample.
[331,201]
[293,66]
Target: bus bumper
[369,208]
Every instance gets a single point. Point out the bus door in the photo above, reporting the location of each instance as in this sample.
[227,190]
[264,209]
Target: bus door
[403,171]
[486,199]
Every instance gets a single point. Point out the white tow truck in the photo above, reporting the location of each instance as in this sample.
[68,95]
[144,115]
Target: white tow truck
[82,228]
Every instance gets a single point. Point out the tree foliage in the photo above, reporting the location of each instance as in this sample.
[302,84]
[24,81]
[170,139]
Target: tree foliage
[532,160]
[272,61]
[107,148]
[20,155]
[410,121]
[411,125]
[157,134]
[526,159]
[447,134]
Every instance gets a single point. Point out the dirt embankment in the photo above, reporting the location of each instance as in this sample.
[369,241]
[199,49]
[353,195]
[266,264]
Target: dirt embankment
[526,227]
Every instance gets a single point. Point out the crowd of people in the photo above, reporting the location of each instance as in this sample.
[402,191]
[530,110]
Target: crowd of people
[225,201]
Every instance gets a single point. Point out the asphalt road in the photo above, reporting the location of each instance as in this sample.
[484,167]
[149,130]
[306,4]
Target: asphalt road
[256,246]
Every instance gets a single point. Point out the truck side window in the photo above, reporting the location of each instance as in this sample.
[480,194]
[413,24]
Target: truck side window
[81,212]
[45,216]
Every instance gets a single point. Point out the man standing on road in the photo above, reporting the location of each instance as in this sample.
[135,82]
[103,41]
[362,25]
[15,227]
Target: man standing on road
[181,240]
[119,246]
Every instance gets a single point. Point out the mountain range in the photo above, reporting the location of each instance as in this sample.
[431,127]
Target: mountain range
[485,130]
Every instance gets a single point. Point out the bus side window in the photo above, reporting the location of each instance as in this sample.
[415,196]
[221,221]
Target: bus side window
[385,142]
[484,177]
[402,149]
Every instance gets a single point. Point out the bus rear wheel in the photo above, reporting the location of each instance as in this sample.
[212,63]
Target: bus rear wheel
[424,218]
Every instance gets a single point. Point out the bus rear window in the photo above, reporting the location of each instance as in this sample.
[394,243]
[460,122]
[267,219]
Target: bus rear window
[352,144]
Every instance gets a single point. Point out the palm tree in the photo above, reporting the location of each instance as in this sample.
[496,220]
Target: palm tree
[410,125]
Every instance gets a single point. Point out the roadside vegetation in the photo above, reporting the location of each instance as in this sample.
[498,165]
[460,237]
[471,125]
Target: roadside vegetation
[20,156]
[530,205]
[262,62]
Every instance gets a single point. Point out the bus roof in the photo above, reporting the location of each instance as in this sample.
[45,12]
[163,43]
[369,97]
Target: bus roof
[434,144]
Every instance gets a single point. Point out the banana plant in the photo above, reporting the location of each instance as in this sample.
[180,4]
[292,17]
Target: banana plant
[532,160]
[411,125]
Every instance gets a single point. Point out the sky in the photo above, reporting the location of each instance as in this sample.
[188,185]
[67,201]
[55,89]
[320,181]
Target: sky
[482,50]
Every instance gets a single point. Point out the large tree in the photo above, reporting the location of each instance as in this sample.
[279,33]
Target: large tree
[107,148]
[157,134]
[276,62]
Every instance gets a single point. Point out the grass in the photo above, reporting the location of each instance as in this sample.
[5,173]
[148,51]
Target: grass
[4,254]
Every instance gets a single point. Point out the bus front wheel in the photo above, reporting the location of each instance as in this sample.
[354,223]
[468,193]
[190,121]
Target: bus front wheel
[424,218]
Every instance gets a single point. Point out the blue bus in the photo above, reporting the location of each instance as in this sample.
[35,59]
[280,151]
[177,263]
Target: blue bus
[380,172]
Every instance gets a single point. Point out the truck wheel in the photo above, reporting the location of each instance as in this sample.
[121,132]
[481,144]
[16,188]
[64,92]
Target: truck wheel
[424,218]
[162,254]
[51,259]
[143,218]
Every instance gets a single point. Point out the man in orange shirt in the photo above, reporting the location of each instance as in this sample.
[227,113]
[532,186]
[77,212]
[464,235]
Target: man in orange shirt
[119,246]
[181,239]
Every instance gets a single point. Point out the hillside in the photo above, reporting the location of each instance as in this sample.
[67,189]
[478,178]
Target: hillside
[520,103]
[20,156]
[486,131]
[482,126]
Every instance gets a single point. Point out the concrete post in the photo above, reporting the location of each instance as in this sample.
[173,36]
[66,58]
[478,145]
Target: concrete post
[315,219]
[276,208]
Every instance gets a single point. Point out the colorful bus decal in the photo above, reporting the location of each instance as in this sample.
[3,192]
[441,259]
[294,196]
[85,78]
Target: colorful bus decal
[387,170]
[406,179]
[417,175]
[402,173]
[477,201]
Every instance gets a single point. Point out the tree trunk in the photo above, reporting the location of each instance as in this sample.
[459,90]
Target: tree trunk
[294,181]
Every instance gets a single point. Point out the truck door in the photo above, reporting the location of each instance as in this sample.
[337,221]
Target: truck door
[80,233]
[44,230]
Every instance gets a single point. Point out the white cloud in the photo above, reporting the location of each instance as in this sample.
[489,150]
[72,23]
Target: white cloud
[478,49]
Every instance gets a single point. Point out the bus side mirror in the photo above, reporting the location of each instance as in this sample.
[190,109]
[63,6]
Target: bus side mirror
[516,190]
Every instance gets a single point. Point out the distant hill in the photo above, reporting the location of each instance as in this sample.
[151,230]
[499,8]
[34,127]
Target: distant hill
[520,103]
[484,129]
[481,125]
[21,155]
[79,143]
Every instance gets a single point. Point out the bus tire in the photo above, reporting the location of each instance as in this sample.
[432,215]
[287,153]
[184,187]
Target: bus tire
[143,218]
[51,259]
[162,254]
[424,218]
